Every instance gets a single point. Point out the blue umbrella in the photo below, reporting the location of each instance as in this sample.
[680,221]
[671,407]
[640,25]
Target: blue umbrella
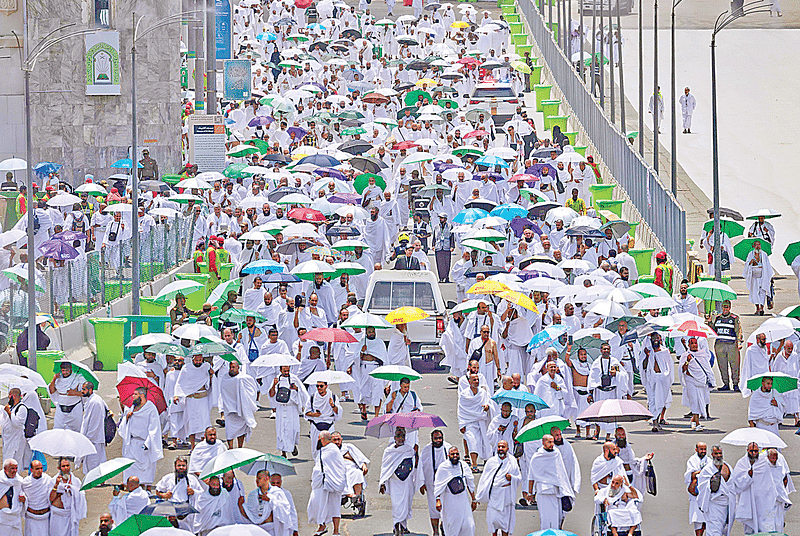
[509,211]
[469,216]
[280,277]
[124,163]
[548,334]
[58,250]
[552,532]
[45,168]
[268,36]
[519,399]
[316,27]
[491,160]
[263,267]
[322,160]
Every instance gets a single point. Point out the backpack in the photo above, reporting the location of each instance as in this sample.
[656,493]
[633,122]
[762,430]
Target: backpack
[31,422]
[110,427]
[36,224]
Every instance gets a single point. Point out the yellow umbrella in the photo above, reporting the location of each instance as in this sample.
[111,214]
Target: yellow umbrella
[404,315]
[518,298]
[488,287]
[460,24]
[429,81]
[521,66]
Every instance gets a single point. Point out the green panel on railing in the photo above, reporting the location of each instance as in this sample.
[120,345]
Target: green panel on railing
[519,39]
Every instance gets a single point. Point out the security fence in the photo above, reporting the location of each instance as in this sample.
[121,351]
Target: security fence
[655,204]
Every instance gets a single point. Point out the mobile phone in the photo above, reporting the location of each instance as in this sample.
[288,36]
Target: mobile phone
[569,339]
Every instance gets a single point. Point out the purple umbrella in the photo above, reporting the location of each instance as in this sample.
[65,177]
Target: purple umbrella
[299,133]
[70,236]
[493,176]
[384,425]
[345,199]
[531,274]
[536,169]
[519,224]
[443,166]
[260,121]
[335,173]
[58,250]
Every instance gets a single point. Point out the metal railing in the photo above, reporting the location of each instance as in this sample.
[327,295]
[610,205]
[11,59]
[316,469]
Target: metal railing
[655,204]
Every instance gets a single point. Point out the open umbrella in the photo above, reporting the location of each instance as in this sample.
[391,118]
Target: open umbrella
[791,252]
[263,266]
[239,530]
[649,290]
[488,286]
[742,437]
[780,382]
[385,425]
[766,213]
[19,274]
[745,246]
[270,361]
[178,287]
[519,399]
[726,225]
[548,335]
[366,320]
[328,335]
[149,338]
[127,387]
[58,250]
[58,442]
[229,460]
[306,270]
[139,523]
[615,410]
[220,293]
[194,332]
[239,316]
[269,462]
[166,348]
[328,376]
[169,509]
[537,428]
[105,471]
[712,290]
[77,368]
[23,372]
[395,373]
[520,299]
[406,314]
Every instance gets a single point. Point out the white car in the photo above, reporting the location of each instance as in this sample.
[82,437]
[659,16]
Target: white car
[625,6]
[497,98]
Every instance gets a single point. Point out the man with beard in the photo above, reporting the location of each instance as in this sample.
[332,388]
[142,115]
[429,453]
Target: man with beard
[67,502]
[12,500]
[267,507]
[205,451]
[211,505]
[634,467]
[453,346]
[504,426]
[621,503]
[515,338]
[152,369]
[580,378]
[782,477]
[474,415]
[430,457]
[36,487]
[140,430]
[235,490]
[552,482]
[498,489]
[324,409]
[124,506]
[373,355]
[715,496]
[756,361]
[606,466]
[552,388]
[404,400]
[694,465]
[65,390]
[478,318]
[13,417]
[325,297]
[270,309]
[788,362]
[569,457]
[397,477]
[288,407]
[193,387]
[180,485]
[285,523]
[312,316]
[659,375]
[454,489]
[755,492]
[766,408]
[607,381]
[328,482]
[237,399]
[376,234]
[357,468]
[93,426]
[177,422]
[697,381]
[367,261]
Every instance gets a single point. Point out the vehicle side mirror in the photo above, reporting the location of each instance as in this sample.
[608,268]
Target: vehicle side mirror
[520,95]
[450,304]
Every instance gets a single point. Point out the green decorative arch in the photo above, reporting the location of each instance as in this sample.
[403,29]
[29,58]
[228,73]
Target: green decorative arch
[92,52]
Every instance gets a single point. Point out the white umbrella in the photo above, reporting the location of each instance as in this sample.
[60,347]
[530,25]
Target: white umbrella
[766,212]
[13,164]
[274,361]
[178,287]
[257,236]
[105,471]
[238,530]
[543,284]
[228,460]
[9,381]
[742,437]
[604,334]
[210,176]
[358,213]
[313,267]
[775,331]
[570,157]
[62,442]
[506,153]
[550,269]
[328,376]
[623,295]
[194,332]
[608,308]
[468,305]
[127,369]
[164,211]
[649,289]
[91,188]
[168,531]
[364,320]
[23,372]
[590,294]
[11,237]
[119,207]
[656,302]
[63,200]
[149,338]
[575,264]
[295,199]
[194,183]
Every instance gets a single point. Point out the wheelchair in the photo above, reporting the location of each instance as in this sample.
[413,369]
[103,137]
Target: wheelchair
[601,527]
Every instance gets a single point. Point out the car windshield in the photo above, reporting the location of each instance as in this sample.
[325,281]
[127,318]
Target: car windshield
[389,295]
[497,92]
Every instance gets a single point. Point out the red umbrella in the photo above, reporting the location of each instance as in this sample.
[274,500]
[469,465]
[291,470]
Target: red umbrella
[375,98]
[404,145]
[385,425]
[475,134]
[128,386]
[302,4]
[306,214]
[523,177]
[328,335]
[468,61]
[693,329]
[615,410]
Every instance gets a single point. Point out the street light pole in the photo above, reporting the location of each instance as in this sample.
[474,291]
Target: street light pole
[656,103]
[621,79]
[641,82]
[611,62]
[211,57]
[674,145]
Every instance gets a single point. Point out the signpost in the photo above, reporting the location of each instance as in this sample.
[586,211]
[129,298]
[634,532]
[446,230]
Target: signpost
[238,80]
[207,142]
[224,34]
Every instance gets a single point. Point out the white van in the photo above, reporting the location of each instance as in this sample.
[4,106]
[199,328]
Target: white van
[390,289]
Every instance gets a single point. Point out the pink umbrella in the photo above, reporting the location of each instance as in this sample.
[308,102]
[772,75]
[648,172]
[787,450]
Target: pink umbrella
[328,335]
[615,410]
[384,425]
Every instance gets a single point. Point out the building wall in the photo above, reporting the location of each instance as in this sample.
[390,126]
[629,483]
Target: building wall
[87,133]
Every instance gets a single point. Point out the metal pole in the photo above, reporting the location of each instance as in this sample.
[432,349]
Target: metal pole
[656,125]
[621,79]
[31,239]
[611,60]
[674,144]
[211,55]
[559,41]
[199,62]
[550,15]
[593,63]
[715,160]
[641,82]
[602,58]
[580,30]
[134,185]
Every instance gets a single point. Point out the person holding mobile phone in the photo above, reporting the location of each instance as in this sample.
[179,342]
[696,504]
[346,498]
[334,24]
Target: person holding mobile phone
[123,506]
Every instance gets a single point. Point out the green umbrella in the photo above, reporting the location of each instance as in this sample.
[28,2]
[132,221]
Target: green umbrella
[386,121]
[726,225]
[17,273]
[229,460]
[178,287]
[413,96]
[104,471]
[168,348]
[780,382]
[588,61]
[453,104]
[261,145]
[362,181]
[349,268]
[791,252]
[352,131]
[479,245]
[533,194]
[220,293]
[239,315]
[712,290]
[350,114]
[211,348]
[537,428]
[77,368]
[745,246]
[321,116]
[234,171]
[413,110]
[395,373]
[270,462]
[793,311]
[464,149]
[138,523]
[290,63]
[186,198]
[243,151]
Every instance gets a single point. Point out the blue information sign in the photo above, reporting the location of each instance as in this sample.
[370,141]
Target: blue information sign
[238,79]
[224,30]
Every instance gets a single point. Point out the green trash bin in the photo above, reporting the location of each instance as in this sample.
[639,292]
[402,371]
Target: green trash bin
[572,137]
[602,192]
[581,149]
[522,49]
[542,94]
[508,9]
[225,271]
[171,179]
[113,287]
[556,120]
[536,74]
[646,279]
[150,306]
[644,261]
[516,28]
[195,300]
[109,336]
[614,205]
[45,362]
[512,17]
[78,309]
[501,3]
[519,39]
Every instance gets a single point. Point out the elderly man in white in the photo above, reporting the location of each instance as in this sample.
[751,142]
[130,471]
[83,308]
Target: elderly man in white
[397,478]
[698,378]
[12,499]
[140,430]
[498,489]
[328,482]
[766,408]
[36,487]
[715,496]
[622,505]
[754,487]
[781,475]
[548,473]
[659,373]
[475,411]
[93,425]
[124,506]
[193,387]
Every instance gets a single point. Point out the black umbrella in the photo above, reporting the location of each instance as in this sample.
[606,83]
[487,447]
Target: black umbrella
[544,152]
[168,509]
[276,157]
[483,204]
[418,65]
[352,122]
[726,213]
[486,270]
[585,231]
[292,247]
[286,21]
[351,32]
[366,164]
[339,230]
[403,86]
[536,258]
[318,44]
[154,186]
[282,191]
[538,210]
[355,146]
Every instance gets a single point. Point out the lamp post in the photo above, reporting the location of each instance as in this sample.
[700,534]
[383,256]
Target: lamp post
[674,148]
[27,64]
[656,123]
[738,10]
[135,269]
[641,83]
[621,79]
